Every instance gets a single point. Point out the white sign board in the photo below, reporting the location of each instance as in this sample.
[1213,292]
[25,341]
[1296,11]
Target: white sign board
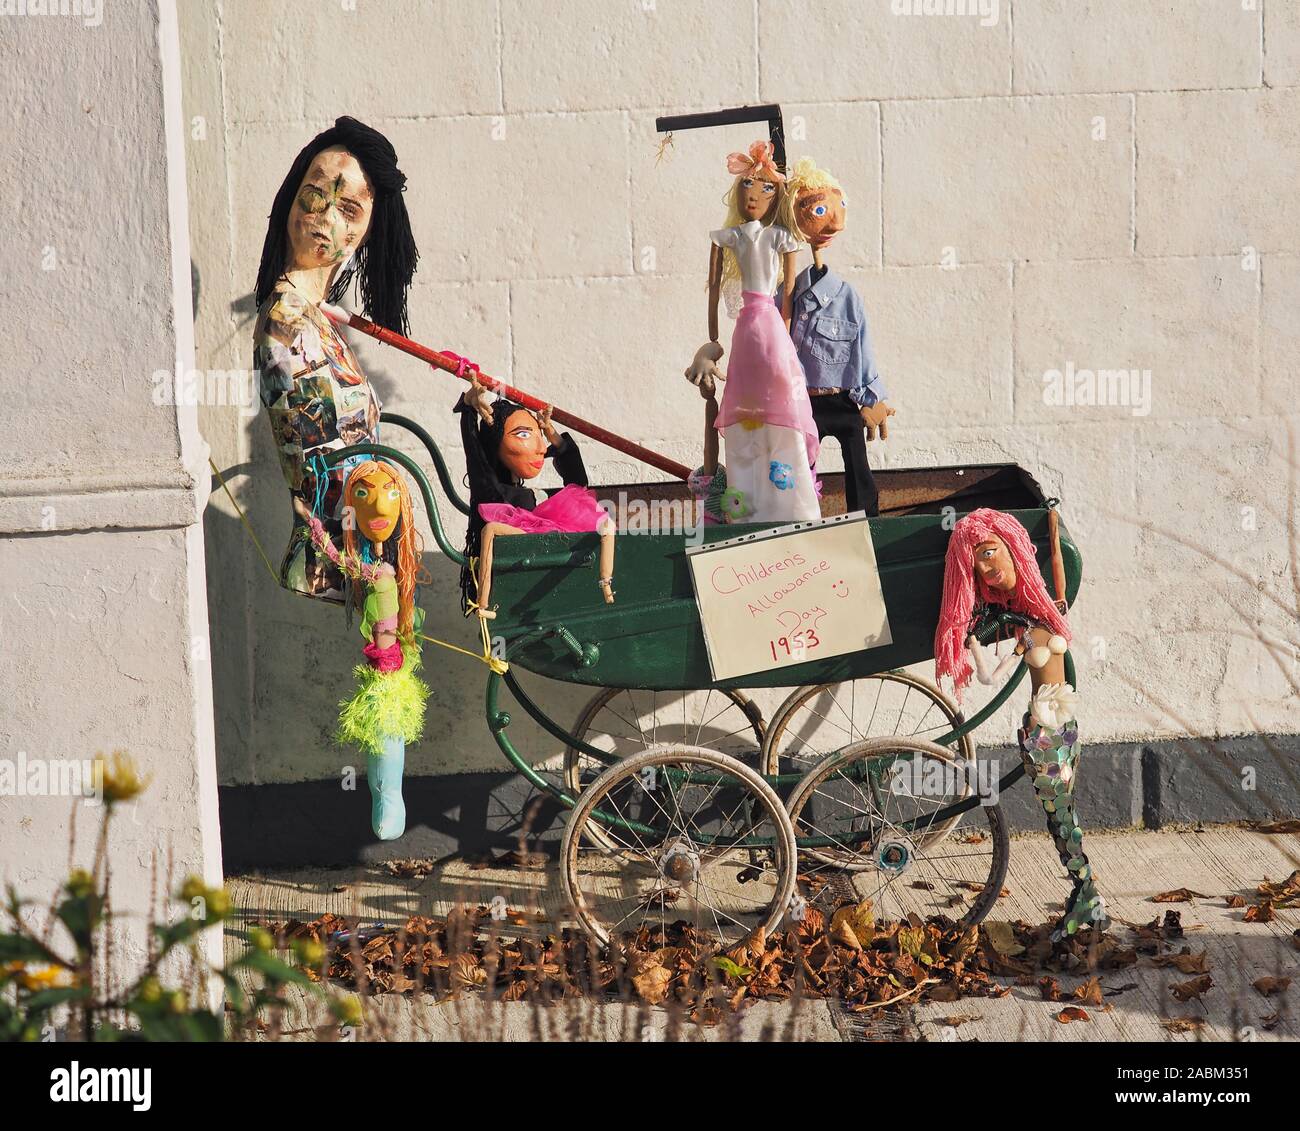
[789,595]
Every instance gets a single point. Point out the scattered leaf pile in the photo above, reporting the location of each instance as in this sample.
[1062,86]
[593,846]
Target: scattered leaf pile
[849,955]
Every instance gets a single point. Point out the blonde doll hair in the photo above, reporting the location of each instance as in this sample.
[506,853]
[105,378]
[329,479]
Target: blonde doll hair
[409,546]
[808,176]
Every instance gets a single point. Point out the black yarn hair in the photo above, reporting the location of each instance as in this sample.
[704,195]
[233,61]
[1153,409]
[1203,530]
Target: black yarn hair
[385,262]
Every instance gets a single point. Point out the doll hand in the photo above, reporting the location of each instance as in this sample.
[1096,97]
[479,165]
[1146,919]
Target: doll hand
[476,397]
[548,429]
[877,416]
[703,369]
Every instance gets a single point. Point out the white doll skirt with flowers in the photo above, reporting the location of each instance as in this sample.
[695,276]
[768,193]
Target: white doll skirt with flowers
[768,476]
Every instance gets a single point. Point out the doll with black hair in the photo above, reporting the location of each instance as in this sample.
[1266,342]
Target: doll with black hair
[506,445]
[338,218]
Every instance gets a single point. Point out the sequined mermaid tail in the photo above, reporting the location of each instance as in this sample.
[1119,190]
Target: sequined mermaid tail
[1051,756]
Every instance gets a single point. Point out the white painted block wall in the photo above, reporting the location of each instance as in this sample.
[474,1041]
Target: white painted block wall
[1095,183]
[103,614]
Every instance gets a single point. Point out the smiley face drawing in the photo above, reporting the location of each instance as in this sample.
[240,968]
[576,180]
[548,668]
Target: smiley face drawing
[840,588]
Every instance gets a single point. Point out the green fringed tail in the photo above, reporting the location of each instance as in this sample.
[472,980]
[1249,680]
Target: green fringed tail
[384,705]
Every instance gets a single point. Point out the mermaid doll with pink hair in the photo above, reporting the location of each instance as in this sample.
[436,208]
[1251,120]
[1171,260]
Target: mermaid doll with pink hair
[991,559]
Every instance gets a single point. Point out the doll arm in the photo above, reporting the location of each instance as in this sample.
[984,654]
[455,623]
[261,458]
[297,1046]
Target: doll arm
[710,433]
[568,461]
[703,369]
[350,565]
[983,672]
[483,486]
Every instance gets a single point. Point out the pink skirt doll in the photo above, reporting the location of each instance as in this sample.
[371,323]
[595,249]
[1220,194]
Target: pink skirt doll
[766,417]
[572,508]
[506,445]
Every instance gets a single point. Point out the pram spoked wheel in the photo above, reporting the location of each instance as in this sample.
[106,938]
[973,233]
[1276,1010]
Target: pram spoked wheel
[874,810]
[693,835]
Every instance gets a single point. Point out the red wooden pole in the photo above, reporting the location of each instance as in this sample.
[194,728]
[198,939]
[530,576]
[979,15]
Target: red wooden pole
[451,363]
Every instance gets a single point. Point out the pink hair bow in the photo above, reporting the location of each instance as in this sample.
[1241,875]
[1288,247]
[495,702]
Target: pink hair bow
[758,159]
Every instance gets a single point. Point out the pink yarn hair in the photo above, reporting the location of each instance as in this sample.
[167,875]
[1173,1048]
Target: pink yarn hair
[960,582]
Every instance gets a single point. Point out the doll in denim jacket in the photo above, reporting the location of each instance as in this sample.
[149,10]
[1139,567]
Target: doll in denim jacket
[830,332]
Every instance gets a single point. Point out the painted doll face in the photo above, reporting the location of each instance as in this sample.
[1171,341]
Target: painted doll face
[993,565]
[756,196]
[376,502]
[330,216]
[523,447]
[820,215]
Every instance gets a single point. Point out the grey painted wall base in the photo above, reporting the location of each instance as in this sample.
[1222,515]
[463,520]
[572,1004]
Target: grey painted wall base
[1121,785]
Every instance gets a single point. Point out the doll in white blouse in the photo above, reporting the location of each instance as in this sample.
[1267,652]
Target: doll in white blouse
[766,417]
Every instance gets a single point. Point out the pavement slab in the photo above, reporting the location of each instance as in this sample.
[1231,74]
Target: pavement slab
[1132,867]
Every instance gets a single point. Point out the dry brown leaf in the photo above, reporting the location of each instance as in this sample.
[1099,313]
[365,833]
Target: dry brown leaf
[1186,991]
[1284,894]
[1183,1024]
[1178,895]
[1269,986]
[1185,963]
[1089,993]
[1289,825]
[1072,1013]
[1050,988]
[1002,937]
[652,984]
[1260,912]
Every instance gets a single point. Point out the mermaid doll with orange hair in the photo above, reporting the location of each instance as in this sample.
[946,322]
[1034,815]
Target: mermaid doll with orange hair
[990,557]
[381,550]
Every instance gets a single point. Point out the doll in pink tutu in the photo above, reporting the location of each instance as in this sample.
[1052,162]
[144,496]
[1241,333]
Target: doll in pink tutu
[505,446]
[766,416]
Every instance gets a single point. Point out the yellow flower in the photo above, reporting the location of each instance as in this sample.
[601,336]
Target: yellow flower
[348,1010]
[46,978]
[121,777]
[80,884]
[309,951]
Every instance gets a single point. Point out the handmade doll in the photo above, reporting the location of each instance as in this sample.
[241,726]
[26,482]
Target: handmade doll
[381,549]
[830,333]
[990,556]
[505,445]
[765,419]
[338,216]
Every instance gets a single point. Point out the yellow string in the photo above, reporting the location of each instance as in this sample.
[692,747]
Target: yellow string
[240,511]
[498,666]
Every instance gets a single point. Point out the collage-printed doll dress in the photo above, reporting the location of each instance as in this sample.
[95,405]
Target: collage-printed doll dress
[766,417]
[318,400]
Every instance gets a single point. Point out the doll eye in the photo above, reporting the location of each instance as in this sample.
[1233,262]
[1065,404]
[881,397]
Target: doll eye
[394,493]
[820,210]
[362,493]
[747,182]
[769,187]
